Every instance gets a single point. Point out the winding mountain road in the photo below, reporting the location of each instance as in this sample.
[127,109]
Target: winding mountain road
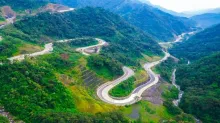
[66,10]
[49,48]
[103,90]
[86,50]
[180,38]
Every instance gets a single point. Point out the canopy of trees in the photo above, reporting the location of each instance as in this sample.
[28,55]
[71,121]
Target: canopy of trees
[201,83]
[23,4]
[200,45]
[126,42]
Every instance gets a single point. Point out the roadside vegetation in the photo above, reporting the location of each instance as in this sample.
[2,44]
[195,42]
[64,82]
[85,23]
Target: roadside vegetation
[60,87]
[148,112]
[126,42]
[3,119]
[124,88]
[36,79]
[2,19]
[107,68]
[165,69]
[82,42]
[26,96]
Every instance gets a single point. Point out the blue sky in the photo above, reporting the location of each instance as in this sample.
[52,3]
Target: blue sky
[186,5]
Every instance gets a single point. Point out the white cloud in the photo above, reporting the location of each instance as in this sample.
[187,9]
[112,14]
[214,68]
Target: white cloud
[187,5]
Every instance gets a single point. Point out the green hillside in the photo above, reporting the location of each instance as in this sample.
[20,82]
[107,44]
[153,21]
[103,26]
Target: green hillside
[60,87]
[202,44]
[162,26]
[23,4]
[207,20]
[158,24]
[32,92]
[201,83]
[55,87]
[126,42]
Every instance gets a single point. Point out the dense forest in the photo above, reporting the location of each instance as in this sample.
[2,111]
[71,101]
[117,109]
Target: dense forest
[60,87]
[106,67]
[201,83]
[31,91]
[202,44]
[23,4]
[123,89]
[126,42]
[28,89]
[165,69]
[158,24]
[162,26]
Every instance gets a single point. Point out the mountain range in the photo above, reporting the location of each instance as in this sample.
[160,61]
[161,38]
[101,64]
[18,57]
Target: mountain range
[207,20]
[66,54]
[200,45]
[199,12]
[200,82]
[160,25]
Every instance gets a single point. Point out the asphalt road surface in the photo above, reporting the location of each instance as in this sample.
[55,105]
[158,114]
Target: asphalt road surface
[103,90]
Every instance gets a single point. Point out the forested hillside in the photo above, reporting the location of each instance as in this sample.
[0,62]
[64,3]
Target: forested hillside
[31,91]
[60,86]
[126,42]
[207,20]
[202,44]
[162,26]
[201,83]
[23,4]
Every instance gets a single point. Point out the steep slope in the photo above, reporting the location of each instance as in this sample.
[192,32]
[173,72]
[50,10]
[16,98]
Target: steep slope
[155,22]
[32,91]
[200,45]
[12,11]
[207,20]
[162,26]
[23,4]
[201,83]
[126,42]
[199,12]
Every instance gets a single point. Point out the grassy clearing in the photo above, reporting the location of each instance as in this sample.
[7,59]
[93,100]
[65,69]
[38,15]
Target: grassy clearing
[87,103]
[3,119]
[104,67]
[141,76]
[2,19]
[170,93]
[165,69]
[103,72]
[127,86]
[148,112]
[147,58]
[84,98]
[82,42]
[124,88]
[27,48]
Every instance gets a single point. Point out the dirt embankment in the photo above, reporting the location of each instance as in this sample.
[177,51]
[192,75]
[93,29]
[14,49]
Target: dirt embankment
[54,8]
[7,12]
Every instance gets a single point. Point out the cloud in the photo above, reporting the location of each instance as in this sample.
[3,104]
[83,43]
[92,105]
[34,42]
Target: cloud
[186,5]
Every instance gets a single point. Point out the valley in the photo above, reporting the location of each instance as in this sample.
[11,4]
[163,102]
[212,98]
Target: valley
[119,61]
